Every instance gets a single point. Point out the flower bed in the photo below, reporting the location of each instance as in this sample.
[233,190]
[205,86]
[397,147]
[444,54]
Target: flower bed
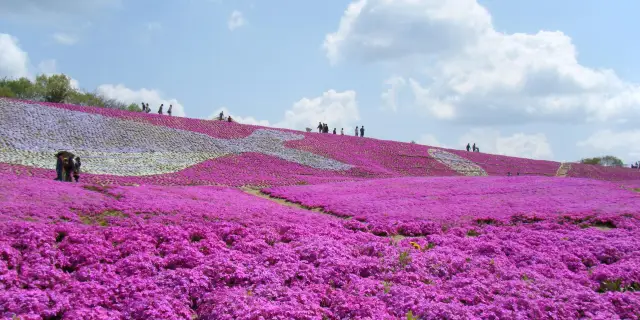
[420,206]
[603,173]
[385,157]
[234,170]
[74,251]
[500,165]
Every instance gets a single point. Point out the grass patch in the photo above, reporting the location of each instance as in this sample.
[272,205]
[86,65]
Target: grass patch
[617,286]
[101,219]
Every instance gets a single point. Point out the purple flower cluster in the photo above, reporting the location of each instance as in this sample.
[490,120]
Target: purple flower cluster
[422,206]
[603,173]
[83,251]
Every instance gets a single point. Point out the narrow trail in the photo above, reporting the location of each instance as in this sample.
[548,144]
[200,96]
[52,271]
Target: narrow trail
[256,192]
[563,170]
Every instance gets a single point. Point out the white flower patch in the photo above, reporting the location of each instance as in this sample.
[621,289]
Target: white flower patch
[31,134]
[459,164]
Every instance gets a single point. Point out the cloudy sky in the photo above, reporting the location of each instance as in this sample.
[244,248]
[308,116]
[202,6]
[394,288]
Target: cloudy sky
[533,78]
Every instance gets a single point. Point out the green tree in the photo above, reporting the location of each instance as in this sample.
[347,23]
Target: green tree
[5,92]
[55,88]
[21,88]
[607,161]
[134,107]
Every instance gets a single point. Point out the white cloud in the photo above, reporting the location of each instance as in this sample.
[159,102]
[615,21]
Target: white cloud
[336,109]
[239,119]
[14,62]
[475,74]
[153,97]
[430,140]
[48,67]
[64,7]
[236,20]
[154,26]
[608,140]
[65,39]
[390,96]
[623,143]
[533,146]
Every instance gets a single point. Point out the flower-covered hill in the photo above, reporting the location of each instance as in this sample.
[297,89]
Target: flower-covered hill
[423,206]
[82,251]
[121,147]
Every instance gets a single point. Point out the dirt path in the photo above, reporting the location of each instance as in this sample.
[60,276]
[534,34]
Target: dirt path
[256,192]
[563,170]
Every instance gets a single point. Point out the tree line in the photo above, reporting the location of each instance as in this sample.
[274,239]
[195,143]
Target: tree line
[606,161]
[57,88]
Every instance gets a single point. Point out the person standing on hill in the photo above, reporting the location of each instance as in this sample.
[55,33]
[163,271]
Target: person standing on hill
[144,108]
[362,131]
[468,147]
[342,131]
[320,126]
[160,110]
[76,169]
[148,109]
[169,110]
[356,131]
[334,130]
[326,128]
[474,147]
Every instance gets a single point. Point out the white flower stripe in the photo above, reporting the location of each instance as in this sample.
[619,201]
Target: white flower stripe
[459,164]
[30,134]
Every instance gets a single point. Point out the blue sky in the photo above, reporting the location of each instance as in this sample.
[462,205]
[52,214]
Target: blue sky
[461,70]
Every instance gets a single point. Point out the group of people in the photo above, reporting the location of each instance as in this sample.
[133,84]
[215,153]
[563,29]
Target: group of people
[324,128]
[221,117]
[67,166]
[636,165]
[147,109]
[475,149]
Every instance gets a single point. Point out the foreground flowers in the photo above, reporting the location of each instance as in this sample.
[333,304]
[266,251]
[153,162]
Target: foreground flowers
[90,252]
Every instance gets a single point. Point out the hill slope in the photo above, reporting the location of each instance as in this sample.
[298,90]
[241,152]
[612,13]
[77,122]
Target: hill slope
[134,148]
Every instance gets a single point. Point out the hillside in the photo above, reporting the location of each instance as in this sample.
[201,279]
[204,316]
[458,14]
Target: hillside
[134,148]
[177,218]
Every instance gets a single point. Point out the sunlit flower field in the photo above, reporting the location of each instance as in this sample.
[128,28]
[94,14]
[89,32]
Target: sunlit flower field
[178,218]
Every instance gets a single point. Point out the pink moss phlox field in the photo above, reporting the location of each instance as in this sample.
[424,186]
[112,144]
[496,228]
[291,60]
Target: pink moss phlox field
[234,170]
[419,206]
[603,173]
[372,158]
[390,158]
[501,165]
[83,251]
[216,129]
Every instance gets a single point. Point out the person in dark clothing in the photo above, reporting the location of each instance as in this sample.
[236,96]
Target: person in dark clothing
[326,128]
[160,110]
[474,147]
[221,115]
[508,173]
[76,169]
[334,131]
[468,147]
[64,166]
[362,131]
[342,131]
[356,131]
[320,127]
[58,167]
[477,149]
[518,174]
[144,108]
[229,119]
[148,109]
[169,110]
